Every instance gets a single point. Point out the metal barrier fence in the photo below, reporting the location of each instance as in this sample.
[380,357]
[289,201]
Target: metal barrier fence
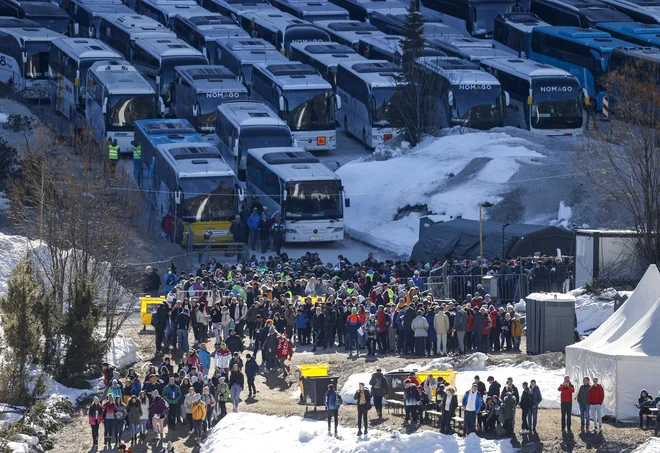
[505,284]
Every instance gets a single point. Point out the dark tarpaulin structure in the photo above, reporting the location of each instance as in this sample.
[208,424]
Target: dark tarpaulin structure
[459,238]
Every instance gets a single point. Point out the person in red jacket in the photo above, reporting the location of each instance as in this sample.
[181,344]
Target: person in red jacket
[596,398]
[284,352]
[383,327]
[485,334]
[566,389]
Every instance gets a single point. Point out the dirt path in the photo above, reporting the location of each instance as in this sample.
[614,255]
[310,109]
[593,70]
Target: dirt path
[278,397]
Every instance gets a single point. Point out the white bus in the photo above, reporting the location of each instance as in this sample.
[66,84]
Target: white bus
[205,32]
[156,59]
[164,11]
[117,96]
[240,54]
[86,15]
[199,90]
[281,29]
[468,96]
[362,9]
[24,56]
[302,98]
[544,99]
[366,90]
[70,59]
[469,48]
[121,30]
[324,57]
[348,32]
[236,8]
[513,31]
[389,48]
[46,13]
[308,194]
[243,125]
[312,10]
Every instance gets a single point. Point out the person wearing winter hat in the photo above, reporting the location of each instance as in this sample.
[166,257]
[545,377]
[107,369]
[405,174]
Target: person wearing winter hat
[198,414]
[168,449]
[352,325]
[158,408]
[222,392]
[95,419]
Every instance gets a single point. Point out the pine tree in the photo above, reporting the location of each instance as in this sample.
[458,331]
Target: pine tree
[412,44]
[22,334]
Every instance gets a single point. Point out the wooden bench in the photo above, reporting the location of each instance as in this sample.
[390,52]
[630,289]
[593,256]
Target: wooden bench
[433,415]
[395,406]
[457,421]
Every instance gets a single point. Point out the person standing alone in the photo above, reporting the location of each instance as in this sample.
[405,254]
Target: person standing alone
[566,389]
[363,400]
[596,398]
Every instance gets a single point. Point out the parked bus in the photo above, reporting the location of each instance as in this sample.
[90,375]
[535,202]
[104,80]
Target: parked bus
[348,32]
[302,98]
[86,15]
[281,29]
[513,31]
[646,12]
[472,17]
[15,22]
[24,56]
[366,90]
[204,32]
[234,9]
[190,180]
[164,11]
[121,31]
[543,99]
[469,48]
[362,9]
[468,96]
[585,53]
[308,194]
[324,57]
[633,32]
[117,96]
[199,90]
[156,59]
[243,125]
[393,23]
[311,10]
[239,55]
[389,48]
[69,61]
[47,14]
[576,13]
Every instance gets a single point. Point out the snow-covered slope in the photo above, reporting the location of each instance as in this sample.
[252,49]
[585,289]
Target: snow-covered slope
[481,164]
[254,433]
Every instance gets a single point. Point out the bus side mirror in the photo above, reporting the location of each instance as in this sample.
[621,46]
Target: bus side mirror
[450,99]
[295,143]
[603,64]
[195,110]
[105,105]
[91,33]
[338,101]
[158,80]
[285,195]
[76,28]
[587,101]
[161,105]
[241,194]
[347,202]
[236,147]
[281,104]
[205,52]
[24,55]
[507,98]
[177,197]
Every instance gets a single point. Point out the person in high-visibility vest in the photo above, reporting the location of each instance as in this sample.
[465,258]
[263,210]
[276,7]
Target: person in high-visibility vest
[113,150]
[137,163]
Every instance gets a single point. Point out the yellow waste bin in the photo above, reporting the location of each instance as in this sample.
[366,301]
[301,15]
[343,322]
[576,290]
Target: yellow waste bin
[148,306]
[312,370]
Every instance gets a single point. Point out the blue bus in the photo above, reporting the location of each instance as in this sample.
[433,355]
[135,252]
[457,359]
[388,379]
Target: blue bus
[186,176]
[585,53]
[633,32]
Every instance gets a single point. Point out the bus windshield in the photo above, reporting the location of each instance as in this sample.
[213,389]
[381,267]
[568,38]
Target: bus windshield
[311,200]
[208,198]
[382,98]
[264,137]
[58,24]
[557,105]
[37,61]
[208,105]
[484,17]
[479,109]
[126,109]
[310,110]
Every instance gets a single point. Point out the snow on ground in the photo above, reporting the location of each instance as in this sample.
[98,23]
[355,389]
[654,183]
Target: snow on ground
[593,310]
[55,390]
[482,164]
[650,446]
[252,432]
[546,379]
[122,352]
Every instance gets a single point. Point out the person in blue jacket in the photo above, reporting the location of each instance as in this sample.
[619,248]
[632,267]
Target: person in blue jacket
[332,406]
[204,357]
[253,229]
[169,280]
[432,339]
[472,402]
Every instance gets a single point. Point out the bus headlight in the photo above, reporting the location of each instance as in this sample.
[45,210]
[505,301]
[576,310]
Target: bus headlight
[332,139]
[338,230]
[291,231]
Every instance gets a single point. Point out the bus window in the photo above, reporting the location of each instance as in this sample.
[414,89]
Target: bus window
[308,111]
[308,200]
[125,110]
[207,198]
[37,62]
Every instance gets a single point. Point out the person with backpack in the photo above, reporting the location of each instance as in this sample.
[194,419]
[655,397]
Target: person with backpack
[332,403]
[508,412]
[411,401]
[379,390]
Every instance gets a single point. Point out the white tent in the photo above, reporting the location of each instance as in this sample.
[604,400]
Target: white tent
[624,352]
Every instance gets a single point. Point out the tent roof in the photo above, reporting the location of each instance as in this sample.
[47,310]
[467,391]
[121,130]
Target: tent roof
[460,238]
[630,330]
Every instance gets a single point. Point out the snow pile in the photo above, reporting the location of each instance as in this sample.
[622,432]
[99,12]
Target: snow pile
[251,432]
[122,352]
[591,312]
[447,176]
[352,385]
[55,390]
[563,216]
[3,118]
[650,446]
[521,306]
